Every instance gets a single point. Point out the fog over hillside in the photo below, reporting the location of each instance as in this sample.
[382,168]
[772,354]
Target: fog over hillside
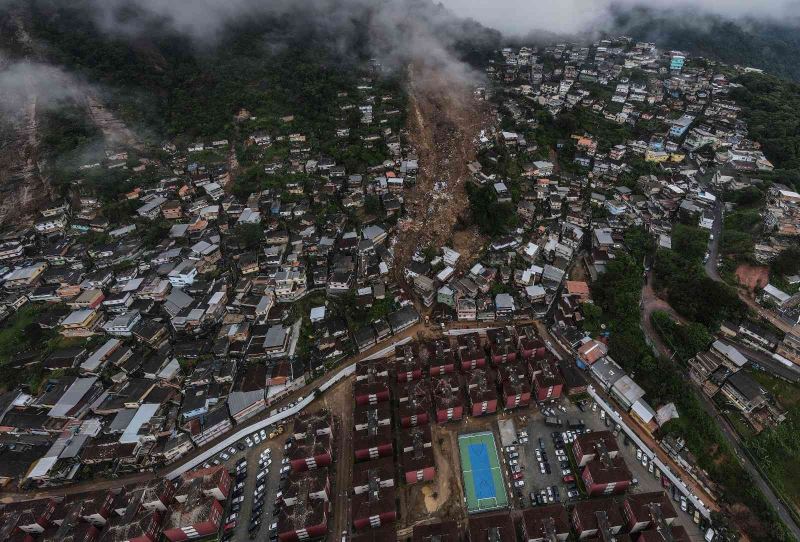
[521,17]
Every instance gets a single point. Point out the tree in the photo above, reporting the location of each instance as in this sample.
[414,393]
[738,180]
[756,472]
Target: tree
[250,236]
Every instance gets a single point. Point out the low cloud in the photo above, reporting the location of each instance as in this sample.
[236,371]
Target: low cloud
[50,86]
[395,31]
[576,17]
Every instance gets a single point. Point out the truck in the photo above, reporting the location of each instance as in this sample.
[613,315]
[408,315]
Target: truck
[576,424]
[552,421]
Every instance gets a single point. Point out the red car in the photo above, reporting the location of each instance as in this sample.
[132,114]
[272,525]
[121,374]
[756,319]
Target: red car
[517,476]
[568,478]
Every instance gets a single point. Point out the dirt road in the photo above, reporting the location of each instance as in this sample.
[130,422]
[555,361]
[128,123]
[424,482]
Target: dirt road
[340,401]
[650,304]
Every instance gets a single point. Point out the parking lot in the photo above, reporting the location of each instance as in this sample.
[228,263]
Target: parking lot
[264,456]
[542,452]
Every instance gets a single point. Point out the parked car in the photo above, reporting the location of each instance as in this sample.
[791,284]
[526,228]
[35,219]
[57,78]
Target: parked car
[519,483]
[572,494]
[568,478]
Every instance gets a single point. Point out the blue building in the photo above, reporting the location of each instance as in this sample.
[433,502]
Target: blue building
[680,126]
[676,62]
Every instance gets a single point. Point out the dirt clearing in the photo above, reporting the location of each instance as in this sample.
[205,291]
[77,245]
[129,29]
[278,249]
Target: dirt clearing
[443,497]
[444,123]
[752,277]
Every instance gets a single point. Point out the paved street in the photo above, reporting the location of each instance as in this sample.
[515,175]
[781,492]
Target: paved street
[650,304]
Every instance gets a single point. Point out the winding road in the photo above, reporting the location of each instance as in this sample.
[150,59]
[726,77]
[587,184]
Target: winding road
[651,303]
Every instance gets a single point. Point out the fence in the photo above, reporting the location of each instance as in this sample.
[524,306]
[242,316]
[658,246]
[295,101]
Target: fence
[665,470]
[237,436]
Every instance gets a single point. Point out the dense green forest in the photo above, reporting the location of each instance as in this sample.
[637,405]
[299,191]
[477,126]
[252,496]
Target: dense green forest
[269,65]
[680,277]
[771,107]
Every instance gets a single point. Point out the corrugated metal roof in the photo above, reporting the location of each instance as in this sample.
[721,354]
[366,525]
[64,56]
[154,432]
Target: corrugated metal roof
[72,396]
[142,416]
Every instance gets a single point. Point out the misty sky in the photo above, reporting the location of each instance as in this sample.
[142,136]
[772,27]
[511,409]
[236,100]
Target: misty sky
[575,16]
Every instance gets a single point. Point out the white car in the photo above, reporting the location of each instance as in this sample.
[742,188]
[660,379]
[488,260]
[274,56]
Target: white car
[522,434]
[541,468]
[248,442]
[638,454]
[519,483]
[256,438]
[232,450]
[512,462]
[523,440]
[287,468]
[263,434]
[273,526]
[224,456]
[238,499]
[285,461]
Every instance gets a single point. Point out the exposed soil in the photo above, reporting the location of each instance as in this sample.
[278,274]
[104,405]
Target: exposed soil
[444,122]
[339,400]
[752,277]
[115,131]
[441,498]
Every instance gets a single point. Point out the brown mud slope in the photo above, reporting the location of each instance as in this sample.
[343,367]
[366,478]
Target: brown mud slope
[444,121]
[23,189]
[752,277]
